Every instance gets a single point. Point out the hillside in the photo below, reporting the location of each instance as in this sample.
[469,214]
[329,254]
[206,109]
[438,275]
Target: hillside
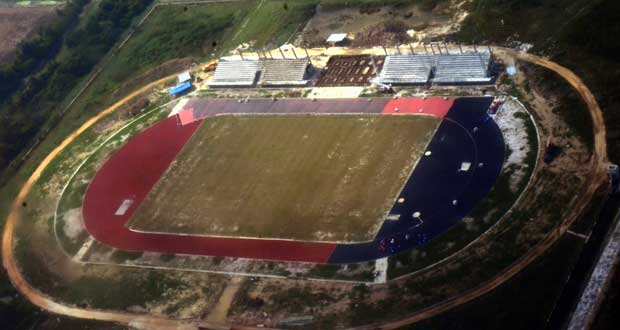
[579,34]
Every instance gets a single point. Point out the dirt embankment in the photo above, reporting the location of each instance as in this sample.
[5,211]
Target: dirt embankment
[18,24]
[383,26]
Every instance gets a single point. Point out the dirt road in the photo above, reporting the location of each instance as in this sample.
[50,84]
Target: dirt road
[48,303]
[598,177]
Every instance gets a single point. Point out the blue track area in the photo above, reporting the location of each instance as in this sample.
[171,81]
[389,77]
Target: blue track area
[439,193]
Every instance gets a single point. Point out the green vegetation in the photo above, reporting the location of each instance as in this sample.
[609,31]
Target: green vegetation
[287,177]
[351,272]
[298,300]
[273,22]
[121,73]
[41,47]
[86,106]
[131,289]
[30,109]
[192,32]
[120,256]
[20,124]
[570,107]
[294,300]
[579,34]
[92,143]
[166,257]
[128,288]
[371,5]
[18,313]
[510,306]
[35,3]
[519,233]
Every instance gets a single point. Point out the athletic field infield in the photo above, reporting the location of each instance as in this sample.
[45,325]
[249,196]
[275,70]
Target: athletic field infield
[330,178]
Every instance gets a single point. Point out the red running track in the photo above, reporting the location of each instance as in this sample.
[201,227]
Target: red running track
[133,171]
[434,106]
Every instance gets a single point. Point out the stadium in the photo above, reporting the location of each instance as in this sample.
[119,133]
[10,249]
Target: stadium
[311,164]
[336,181]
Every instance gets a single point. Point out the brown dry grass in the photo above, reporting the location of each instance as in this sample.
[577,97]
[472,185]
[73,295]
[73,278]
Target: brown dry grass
[327,178]
[17,24]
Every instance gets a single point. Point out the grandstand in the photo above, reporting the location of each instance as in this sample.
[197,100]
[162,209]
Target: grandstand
[235,73]
[464,68]
[267,72]
[417,69]
[284,72]
[406,69]
[358,70]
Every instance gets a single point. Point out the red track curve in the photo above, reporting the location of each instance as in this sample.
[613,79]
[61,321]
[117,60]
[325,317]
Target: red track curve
[133,171]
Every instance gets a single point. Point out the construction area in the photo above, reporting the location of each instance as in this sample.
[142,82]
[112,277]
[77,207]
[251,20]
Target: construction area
[352,70]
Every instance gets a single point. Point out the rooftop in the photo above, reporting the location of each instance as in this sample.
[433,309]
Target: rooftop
[336,37]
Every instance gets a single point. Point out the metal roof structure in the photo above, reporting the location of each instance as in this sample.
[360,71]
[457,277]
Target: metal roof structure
[459,68]
[463,68]
[284,72]
[336,37]
[272,72]
[406,69]
[183,77]
[235,73]
[180,88]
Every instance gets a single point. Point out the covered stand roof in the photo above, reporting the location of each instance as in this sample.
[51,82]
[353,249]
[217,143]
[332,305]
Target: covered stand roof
[458,68]
[278,72]
[463,68]
[235,73]
[272,72]
[406,69]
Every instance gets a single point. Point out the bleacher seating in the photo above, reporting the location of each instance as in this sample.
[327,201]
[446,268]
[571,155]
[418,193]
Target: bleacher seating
[235,73]
[406,69]
[284,72]
[462,68]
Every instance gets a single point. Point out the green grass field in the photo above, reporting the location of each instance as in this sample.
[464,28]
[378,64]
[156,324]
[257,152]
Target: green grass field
[271,23]
[325,178]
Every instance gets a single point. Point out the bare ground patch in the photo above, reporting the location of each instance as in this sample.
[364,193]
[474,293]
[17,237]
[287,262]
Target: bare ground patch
[18,24]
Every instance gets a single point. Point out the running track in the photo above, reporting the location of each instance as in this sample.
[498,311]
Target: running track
[466,134]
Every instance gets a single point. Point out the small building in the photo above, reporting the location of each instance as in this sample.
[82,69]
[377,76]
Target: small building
[183,77]
[180,88]
[337,39]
